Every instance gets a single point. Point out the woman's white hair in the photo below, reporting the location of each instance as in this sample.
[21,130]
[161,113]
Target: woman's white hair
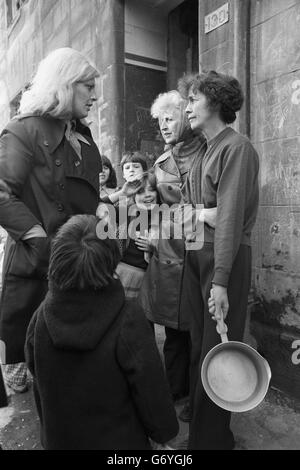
[167,102]
[51,90]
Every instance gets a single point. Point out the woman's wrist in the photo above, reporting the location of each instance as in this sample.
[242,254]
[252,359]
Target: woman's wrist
[36,231]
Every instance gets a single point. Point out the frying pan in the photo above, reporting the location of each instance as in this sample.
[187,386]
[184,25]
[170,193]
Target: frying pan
[234,375]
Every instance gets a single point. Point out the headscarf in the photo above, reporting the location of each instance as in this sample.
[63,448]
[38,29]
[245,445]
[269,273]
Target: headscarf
[187,145]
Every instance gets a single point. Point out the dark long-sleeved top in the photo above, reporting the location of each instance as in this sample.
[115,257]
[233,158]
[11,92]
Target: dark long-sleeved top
[226,175]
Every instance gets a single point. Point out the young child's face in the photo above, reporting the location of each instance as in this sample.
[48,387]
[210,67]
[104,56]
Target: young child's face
[147,198]
[132,171]
[104,175]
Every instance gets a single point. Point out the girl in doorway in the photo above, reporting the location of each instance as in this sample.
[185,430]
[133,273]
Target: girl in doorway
[136,247]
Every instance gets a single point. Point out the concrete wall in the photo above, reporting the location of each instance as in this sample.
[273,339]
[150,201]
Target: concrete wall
[94,27]
[275,130]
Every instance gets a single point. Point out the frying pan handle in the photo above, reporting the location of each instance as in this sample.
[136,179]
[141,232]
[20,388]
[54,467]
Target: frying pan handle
[222,329]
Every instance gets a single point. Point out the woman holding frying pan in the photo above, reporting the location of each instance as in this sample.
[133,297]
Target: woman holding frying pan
[224,174]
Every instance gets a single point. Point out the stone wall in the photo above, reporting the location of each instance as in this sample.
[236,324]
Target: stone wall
[95,28]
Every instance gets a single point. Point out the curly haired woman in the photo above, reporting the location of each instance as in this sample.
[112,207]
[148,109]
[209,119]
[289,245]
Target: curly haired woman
[225,174]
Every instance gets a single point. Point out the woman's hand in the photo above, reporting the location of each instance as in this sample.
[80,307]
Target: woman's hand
[144,242]
[166,446]
[130,188]
[103,213]
[218,304]
[5,191]
[211,304]
[209,216]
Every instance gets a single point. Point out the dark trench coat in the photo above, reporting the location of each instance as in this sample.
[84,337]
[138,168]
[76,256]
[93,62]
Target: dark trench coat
[49,183]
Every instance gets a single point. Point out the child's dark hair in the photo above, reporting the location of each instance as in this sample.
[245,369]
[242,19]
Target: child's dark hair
[79,259]
[135,157]
[112,180]
[219,89]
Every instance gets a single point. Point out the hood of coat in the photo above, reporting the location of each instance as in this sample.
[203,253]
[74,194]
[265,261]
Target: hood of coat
[79,320]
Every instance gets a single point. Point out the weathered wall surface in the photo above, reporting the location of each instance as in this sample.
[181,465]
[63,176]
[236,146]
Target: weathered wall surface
[225,49]
[275,131]
[95,28]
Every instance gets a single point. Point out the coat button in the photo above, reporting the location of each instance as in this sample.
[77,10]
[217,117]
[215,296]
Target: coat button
[58,162]
[170,188]
[60,207]
[46,143]
[77,163]
[61,186]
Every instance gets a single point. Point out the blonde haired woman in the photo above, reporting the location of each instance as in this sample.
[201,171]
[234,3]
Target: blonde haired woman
[51,165]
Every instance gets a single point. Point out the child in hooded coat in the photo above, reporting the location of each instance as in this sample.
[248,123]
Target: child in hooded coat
[98,379]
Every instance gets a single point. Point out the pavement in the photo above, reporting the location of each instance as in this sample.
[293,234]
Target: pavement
[273,425]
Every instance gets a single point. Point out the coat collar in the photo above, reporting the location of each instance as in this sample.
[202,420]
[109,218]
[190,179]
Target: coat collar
[163,157]
[54,129]
[185,149]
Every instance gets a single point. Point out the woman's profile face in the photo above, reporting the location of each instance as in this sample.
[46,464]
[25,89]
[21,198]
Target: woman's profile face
[197,110]
[104,175]
[83,98]
[170,125]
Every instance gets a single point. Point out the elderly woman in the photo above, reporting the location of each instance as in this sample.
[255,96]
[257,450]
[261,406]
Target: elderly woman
[228,165]
[51,165]
[161,289]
